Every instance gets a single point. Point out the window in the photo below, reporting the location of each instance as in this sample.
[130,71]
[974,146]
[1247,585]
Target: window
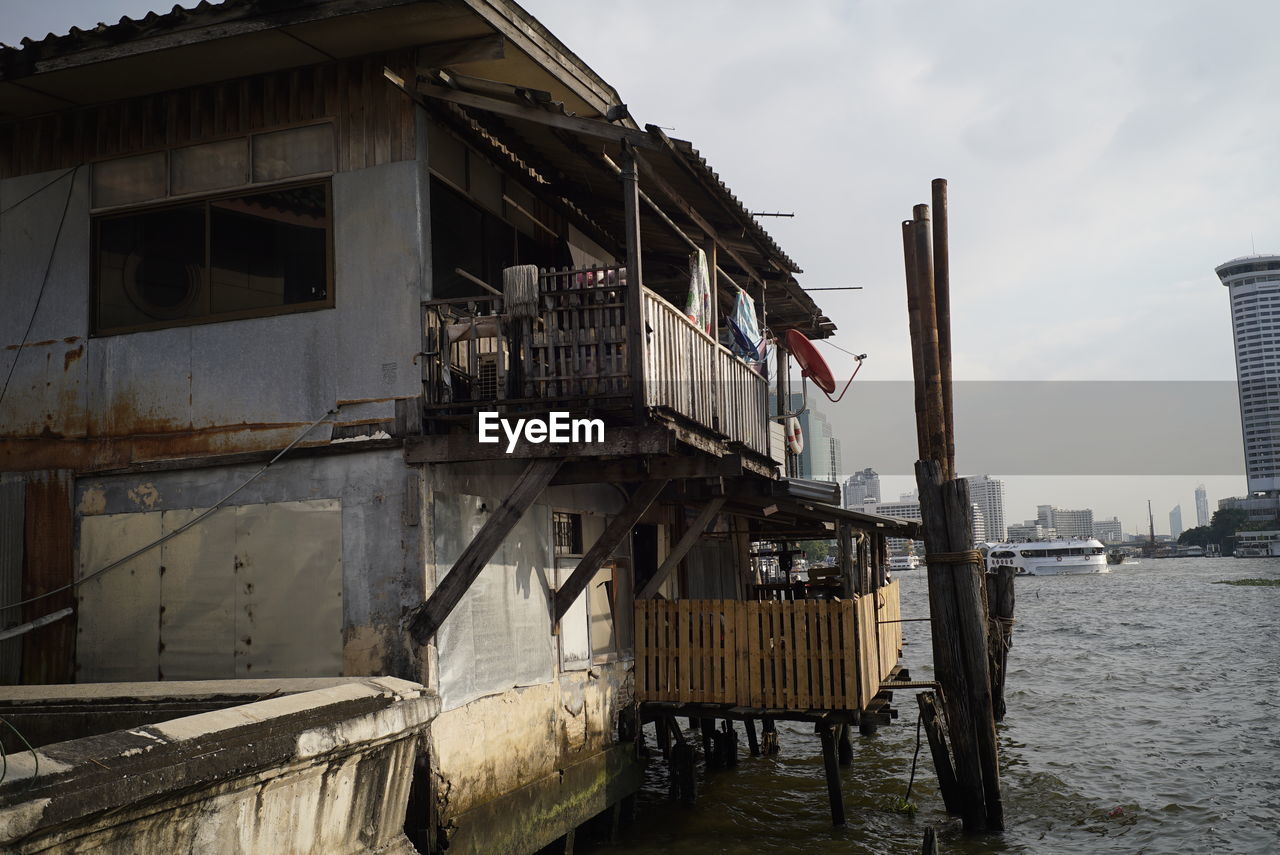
[568,533]
[216,239]
[236,256]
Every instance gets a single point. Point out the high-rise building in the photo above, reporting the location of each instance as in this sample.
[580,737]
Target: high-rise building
[820,459]
[1253,287]
[861,487]
[1027,531]
[907,509]
[1065,522]
[1202,506]
[1175,521]
[1109,531]
[988,494]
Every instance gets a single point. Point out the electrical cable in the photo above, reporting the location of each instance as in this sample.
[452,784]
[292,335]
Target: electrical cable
[34,756]
[17,354]
[180,529]
[38,190]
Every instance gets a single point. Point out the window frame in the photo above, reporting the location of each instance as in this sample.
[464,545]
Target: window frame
[324,181]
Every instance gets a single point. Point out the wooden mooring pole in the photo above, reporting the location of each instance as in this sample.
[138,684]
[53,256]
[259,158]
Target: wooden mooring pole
[999,632]
[957,591]
[826,733]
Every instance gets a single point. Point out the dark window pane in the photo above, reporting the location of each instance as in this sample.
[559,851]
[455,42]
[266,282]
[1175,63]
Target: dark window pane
[268,250]
[151,267]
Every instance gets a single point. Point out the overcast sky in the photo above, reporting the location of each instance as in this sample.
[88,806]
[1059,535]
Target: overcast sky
[1103,157]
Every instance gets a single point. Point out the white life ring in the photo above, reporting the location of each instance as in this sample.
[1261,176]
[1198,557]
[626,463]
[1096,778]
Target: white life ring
[795,436]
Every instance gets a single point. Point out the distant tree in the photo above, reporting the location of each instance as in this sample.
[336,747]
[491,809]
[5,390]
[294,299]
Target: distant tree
[818,551]
[1224,525]
[1201,535]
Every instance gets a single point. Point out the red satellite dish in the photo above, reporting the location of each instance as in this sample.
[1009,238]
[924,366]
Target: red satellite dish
[812,365]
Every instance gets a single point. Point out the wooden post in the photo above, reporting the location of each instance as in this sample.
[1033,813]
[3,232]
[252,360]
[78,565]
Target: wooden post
[845,746]
[850,577]
[942,313]
[635,278]
[947,783]
[769,736]
[783,394]
[930,845]
[1000,635]
[917,334]
[960,645]
[753,743]
[708,728]
[827,734]
[935,419]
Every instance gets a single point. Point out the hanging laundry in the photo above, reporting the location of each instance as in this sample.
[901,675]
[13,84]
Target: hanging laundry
[698,307]
[747,341]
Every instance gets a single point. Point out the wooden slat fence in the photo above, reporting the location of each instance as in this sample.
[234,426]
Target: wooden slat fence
[888,616]
[798,655]
[680,363]
[742,402]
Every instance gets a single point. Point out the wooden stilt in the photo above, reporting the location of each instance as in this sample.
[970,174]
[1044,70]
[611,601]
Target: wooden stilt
[708,727]
[938,748]
[1000,633]
[866,728]
[663,736]
[930,846]
[753,743]
[769,738]
[845,746]
[827,734]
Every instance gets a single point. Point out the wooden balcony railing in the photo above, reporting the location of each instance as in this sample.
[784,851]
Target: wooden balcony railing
[574,354]
[785,655]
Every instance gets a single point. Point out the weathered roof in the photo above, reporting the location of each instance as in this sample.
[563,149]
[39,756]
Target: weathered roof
[212,41]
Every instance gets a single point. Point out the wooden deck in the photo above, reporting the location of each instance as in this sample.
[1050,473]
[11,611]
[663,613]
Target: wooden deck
[574,353]
[778,655]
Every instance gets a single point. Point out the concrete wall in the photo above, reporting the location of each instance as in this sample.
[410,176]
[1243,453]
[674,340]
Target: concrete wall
[324,772]
[82,403]
[515,771]
[519,756]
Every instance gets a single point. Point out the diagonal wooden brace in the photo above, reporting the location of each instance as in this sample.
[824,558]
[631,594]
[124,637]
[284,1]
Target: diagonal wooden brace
[617,529]
[426,619]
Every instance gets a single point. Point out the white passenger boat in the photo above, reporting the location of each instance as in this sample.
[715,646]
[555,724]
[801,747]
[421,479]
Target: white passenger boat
[1061,557]
[898,563]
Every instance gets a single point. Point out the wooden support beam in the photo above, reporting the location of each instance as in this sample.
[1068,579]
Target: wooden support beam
[461,447]
[1000,631]
[716,193]
[594,128]
[426,619]
[682,547]
[938,748]
[636,336]
[652,176]
[832,768]
[648,469]
[619,527]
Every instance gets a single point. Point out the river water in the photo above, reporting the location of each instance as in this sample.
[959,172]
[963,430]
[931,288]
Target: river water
[1140,720]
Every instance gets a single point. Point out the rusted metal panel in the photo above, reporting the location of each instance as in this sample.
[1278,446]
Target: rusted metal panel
[119,611]
[47,653]
[12,511]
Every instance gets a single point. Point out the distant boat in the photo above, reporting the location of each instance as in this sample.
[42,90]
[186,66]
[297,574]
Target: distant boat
[1060,557]
[1115,556]
[903,562]
[1257,544]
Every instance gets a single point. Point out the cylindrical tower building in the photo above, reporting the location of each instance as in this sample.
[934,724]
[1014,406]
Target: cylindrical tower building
[1253,284]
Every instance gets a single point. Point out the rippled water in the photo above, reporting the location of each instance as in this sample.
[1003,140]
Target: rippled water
[1140,720]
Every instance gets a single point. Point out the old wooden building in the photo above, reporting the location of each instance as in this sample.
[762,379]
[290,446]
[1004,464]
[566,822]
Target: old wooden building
[343,231]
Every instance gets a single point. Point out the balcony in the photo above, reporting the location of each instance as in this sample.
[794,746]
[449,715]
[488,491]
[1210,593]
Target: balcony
[590,347]
[776,656]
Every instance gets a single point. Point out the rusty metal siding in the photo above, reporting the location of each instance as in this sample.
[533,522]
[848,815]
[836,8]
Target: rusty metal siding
[48,652]
[225,387]
[12,510]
